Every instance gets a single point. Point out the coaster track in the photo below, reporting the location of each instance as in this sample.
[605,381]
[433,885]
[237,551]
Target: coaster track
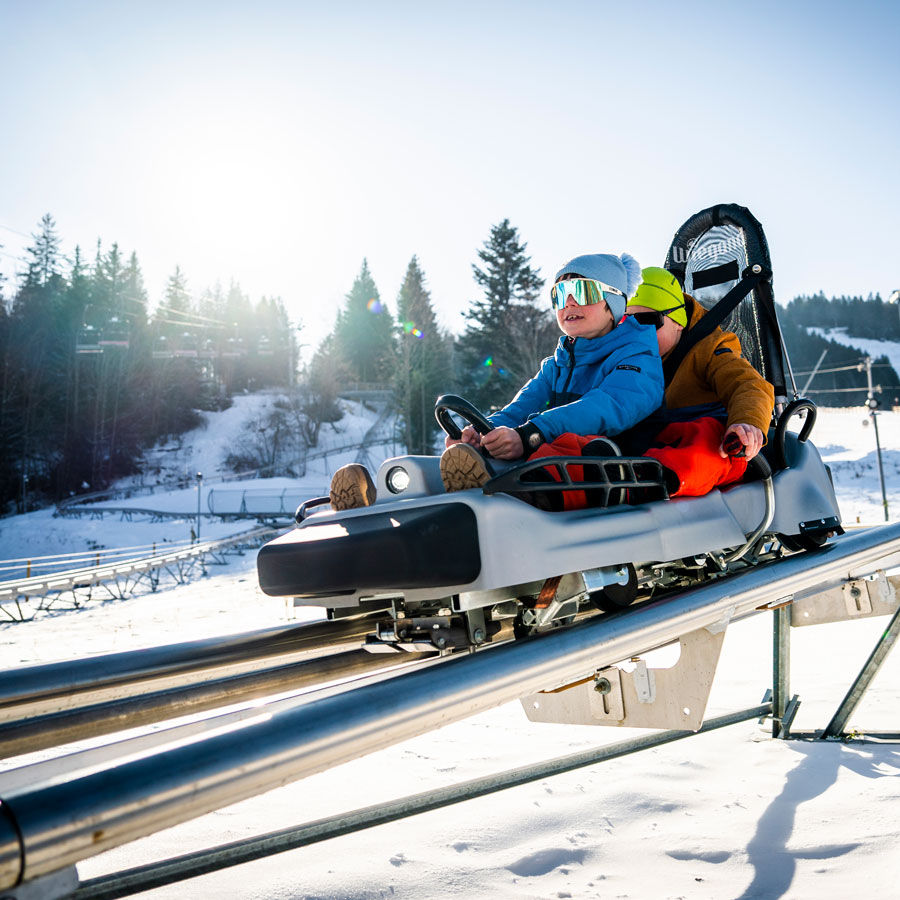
[57,813]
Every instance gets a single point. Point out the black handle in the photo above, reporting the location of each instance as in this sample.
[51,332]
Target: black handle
[781,428]
[300,515]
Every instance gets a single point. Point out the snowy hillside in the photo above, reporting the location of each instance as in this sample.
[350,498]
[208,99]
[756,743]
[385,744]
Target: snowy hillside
[726,815]
[202,450]
[867,347]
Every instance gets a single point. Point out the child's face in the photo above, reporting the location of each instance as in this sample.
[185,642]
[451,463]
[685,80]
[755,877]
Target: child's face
[585,321]
[667,335]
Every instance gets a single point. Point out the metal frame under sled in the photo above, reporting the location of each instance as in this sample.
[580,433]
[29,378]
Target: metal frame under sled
[637,696]
[855,598]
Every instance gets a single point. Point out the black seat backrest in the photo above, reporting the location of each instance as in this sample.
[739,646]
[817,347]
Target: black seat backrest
[710,255]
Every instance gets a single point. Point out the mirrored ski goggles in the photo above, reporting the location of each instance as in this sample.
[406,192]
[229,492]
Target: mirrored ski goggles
[654,317]
[584,291]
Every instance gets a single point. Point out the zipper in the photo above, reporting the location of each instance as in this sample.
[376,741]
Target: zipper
[570,347]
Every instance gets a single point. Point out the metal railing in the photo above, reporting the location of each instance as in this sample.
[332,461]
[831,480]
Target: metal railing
[23,598]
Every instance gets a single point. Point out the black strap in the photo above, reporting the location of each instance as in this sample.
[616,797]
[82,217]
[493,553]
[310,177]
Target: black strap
[717,275]
[712,320]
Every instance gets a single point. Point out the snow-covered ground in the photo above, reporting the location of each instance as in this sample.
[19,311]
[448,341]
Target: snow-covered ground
[731,814]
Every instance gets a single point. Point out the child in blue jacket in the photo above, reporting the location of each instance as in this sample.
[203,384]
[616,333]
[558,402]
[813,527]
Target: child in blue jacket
[604,377]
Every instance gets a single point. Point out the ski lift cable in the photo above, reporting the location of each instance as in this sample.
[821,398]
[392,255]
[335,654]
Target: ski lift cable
[859,366]
[197,316]
[841,390]
[155,321]
[856,366]
[14,231]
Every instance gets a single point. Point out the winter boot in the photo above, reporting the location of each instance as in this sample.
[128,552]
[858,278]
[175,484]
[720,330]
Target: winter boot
[351,488]
[463,467]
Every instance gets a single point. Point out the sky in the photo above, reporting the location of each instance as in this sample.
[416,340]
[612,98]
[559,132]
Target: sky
[279,144]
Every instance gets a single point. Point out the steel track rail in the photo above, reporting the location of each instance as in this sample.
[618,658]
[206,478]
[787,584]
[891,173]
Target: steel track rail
[68,686]
[214,859]
[45,732]
[300,684]
[48,828]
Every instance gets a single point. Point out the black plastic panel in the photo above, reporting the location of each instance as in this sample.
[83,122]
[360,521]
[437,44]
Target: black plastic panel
[428,547]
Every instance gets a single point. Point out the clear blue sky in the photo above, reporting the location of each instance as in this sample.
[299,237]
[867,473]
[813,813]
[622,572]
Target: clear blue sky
[280,143]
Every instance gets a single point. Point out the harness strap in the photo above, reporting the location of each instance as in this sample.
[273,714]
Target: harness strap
[752,276]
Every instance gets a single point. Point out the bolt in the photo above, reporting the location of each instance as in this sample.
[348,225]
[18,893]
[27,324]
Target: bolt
[602,685]
[478,635]
[441,642]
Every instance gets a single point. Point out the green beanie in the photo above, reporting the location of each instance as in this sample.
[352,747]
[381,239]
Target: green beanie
[660,290]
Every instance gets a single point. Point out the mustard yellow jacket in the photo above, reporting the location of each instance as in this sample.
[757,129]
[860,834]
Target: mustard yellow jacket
[714,370]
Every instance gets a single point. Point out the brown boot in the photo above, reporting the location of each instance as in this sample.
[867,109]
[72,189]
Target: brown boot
[351,488]
[462,468]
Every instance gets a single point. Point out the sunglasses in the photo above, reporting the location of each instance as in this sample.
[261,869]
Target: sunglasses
[654,317]
[584,291]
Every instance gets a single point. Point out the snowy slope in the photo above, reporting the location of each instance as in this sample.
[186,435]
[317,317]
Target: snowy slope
[866,346]
[726,815]
[201,450]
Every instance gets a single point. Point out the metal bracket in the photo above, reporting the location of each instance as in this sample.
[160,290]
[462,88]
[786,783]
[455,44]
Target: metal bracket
[643,698]
[54,886]
[858,598]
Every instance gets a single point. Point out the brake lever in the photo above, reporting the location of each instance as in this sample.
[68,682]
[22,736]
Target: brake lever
[734,447]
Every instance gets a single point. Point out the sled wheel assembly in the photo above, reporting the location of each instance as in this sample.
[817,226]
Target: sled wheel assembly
[810,541]
[614,597]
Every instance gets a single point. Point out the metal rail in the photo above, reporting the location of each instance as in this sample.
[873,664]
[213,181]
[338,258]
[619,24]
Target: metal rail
[281,688]
[53,687]
[121,578]
[48,828]
[168,871]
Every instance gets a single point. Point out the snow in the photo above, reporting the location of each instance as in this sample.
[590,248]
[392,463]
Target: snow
[730,814]
[867,346]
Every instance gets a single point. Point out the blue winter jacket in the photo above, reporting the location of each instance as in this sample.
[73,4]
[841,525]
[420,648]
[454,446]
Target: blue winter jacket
[599,385]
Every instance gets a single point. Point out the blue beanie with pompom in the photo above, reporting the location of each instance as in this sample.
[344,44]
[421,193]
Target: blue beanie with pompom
[622,272]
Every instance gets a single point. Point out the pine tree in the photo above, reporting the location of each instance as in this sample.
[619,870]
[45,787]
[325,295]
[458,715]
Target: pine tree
[424,361]
[508,331]
[177,296]
[44,253]
[363,335]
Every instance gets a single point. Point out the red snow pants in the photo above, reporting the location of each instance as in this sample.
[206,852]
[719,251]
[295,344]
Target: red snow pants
[691,451]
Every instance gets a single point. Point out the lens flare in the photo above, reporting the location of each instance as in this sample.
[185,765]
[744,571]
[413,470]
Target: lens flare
[374,306]
[410,328]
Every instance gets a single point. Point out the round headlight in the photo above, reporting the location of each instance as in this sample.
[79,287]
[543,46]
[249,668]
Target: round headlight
[397,480]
